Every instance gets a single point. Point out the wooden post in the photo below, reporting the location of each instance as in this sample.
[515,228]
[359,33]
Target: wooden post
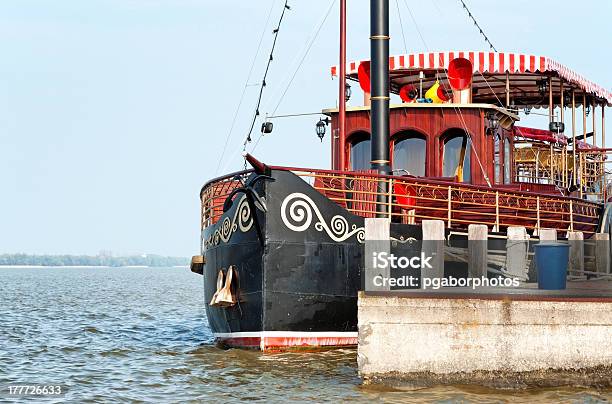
[552,167]
[603,144]
[603,126]
[496,211]
[584,118]
[551,106]
[390,198]
[571,212]
[562,101]
[593,109]
[433,246]
[477,250]
[516,252]
[450,206]
[507,89]
[574,182]
[537,229]
[377,240]
[581,168]
[576,254]
[602,252]
[564,165]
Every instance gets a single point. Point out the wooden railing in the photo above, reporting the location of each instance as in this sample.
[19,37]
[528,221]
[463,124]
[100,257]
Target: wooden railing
[412,199]
[214,193]
[594,173]
[542,164]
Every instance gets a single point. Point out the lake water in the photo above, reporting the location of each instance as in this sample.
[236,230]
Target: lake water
[141,334]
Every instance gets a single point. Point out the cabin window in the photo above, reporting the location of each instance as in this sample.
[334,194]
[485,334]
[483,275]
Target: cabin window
[360,153]
[456,157]
[409,154]
[507,161]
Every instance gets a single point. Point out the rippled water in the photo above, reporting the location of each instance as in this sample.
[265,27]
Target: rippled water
[141,334]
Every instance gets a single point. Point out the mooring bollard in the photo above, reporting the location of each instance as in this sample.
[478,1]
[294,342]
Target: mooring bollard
[516,252]
[477,250]
[548,235]
[377,240]
[602,252]
[576,254]
[433,246]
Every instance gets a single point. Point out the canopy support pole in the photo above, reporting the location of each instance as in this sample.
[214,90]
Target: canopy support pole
[603,126]
[604,189]
[593,109]
[574,136]
[562,101]
[507,89]
[564,151]
[551,105]
[584,119]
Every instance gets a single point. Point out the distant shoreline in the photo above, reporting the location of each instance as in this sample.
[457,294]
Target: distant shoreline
[102,260]
[90,266]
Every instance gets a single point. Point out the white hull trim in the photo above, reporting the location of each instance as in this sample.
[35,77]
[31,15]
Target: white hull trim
[255,334]
[279,340]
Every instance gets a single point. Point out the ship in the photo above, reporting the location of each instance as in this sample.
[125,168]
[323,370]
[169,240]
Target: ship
[282,248]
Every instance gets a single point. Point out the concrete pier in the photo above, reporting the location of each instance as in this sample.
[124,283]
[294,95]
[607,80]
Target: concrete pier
[496,334]
[500,340]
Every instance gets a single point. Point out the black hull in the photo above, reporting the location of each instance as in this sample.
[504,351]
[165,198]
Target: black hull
[299,264]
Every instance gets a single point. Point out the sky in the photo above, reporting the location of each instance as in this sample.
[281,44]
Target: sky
[114,113]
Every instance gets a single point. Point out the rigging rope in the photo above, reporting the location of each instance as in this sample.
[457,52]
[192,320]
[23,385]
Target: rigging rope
[457,110]
[263,81]
[331,5]
[246,84]
[416,25]
[486,38]
[295,72]
[399,14]
[478,26]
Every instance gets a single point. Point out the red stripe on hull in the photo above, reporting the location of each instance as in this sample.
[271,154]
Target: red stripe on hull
[273,343]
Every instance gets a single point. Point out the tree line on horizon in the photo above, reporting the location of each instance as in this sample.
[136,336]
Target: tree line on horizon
[150,260]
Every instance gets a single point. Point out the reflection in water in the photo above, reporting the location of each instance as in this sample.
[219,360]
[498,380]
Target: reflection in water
[140,334]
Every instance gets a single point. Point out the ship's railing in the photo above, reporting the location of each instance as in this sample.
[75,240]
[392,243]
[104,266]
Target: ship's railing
[594,174]
[539,163]
[215,192]
[413,199]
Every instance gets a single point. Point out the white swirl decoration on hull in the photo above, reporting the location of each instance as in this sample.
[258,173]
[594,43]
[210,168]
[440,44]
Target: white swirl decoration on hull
[242,220]
[298,212]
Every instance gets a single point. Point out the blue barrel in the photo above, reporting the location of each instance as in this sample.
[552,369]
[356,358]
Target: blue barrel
[551,262]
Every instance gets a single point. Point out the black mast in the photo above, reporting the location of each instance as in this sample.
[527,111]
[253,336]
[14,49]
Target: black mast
[379,120]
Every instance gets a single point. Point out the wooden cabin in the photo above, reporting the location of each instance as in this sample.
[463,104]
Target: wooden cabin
[452,141]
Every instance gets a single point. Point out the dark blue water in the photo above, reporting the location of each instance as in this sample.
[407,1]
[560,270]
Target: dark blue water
[140,334]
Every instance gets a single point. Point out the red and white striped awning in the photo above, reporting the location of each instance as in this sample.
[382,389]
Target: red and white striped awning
[487,63]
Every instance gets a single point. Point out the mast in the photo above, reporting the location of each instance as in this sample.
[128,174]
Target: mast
[342,88]
[379,120]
